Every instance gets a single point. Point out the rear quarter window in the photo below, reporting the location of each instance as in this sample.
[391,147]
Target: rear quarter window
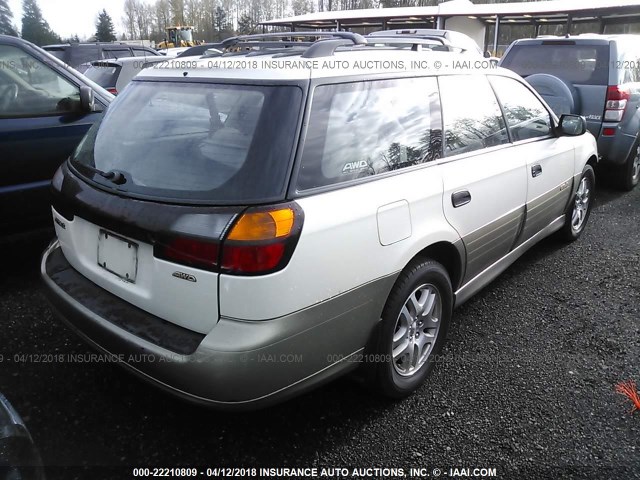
[357,130]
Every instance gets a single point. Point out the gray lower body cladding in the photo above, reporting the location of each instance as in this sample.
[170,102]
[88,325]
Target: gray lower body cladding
[239,364]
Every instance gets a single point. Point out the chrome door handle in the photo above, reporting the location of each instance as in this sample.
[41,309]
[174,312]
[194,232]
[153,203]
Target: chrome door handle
[460,198]
[536,170]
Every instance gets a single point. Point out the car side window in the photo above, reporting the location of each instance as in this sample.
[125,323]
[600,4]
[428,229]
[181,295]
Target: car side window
[30,88]
[471,114]
[138,52]
[526,115]
[367,128]
[116,53]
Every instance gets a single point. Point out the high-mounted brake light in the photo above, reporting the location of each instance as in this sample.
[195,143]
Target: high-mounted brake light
[617,98]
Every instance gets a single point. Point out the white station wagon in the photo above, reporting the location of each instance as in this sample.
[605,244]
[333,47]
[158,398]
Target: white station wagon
[239,235]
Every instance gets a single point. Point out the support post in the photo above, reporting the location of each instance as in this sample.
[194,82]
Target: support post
[495,36]
[567,27]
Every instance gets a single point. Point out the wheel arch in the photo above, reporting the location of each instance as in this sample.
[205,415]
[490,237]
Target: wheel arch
[450,255]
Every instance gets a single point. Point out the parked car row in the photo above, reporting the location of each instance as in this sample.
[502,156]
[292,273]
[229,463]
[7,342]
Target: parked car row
[78,55]
[598,77]
[254,259]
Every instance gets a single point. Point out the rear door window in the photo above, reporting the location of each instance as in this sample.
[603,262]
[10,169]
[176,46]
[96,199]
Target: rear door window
[361,129]
[140,52]
[526,116]
[472,117]
[84,53]
[116,53]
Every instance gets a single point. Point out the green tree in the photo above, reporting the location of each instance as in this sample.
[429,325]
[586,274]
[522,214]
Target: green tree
[34,27]
[246,25]
[6,19]
[220,19]
[177,11]
[105,31]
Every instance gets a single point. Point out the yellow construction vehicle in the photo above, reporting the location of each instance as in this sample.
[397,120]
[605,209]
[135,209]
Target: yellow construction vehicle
[178,37]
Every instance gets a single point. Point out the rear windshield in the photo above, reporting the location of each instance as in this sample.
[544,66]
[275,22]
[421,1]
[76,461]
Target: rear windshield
[104,75]
[214,143]
[574,63]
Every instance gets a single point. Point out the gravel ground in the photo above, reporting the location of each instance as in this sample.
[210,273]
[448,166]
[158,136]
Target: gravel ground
[526,384]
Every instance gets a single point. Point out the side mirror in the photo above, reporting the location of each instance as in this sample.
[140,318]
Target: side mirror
[486,54]
[572,125]
[87,102]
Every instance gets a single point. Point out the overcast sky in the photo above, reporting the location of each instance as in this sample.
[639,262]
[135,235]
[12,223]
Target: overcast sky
[69,17]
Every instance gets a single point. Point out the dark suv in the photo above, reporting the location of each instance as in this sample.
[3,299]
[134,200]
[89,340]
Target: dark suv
[76,54]
[45,110]
[595,76]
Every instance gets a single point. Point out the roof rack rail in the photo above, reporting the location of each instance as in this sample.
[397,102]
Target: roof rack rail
[416,43]
[319,48]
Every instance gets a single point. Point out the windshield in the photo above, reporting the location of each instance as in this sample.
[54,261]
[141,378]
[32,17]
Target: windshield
[187,35]
[220,143]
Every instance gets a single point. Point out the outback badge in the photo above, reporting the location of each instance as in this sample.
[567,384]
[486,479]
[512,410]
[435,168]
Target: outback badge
[185,276]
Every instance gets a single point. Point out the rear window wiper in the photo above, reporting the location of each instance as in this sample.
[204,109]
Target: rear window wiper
[114,176]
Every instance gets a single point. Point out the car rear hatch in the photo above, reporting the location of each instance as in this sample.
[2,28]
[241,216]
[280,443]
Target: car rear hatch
[105,74]
[144,203]
[582,63]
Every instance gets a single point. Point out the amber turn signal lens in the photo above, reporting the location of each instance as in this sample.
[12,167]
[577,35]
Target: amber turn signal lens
[263,225]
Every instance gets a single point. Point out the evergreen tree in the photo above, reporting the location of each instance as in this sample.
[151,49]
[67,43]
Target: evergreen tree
[105,31]
[6,19]
[34,27]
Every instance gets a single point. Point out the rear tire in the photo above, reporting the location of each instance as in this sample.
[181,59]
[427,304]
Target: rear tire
[413,330]
[579,211]
[628,175]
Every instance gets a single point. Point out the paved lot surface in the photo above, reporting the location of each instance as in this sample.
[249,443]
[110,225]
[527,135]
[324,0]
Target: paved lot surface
[526,384]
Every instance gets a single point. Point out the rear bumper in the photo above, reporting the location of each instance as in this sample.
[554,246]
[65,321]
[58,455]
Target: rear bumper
[239,364]
[615,149]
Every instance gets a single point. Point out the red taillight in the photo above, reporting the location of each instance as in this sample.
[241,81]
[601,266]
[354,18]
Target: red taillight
[112,90]
[252,259]
[608,132]
[618,92]
[189,251]
[617,97]
[260,241]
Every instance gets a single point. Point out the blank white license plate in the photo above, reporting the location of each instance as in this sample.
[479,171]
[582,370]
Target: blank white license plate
[118,255]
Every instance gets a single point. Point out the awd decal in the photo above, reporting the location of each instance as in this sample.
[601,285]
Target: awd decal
[185,276]
[351,166]
[62,225]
